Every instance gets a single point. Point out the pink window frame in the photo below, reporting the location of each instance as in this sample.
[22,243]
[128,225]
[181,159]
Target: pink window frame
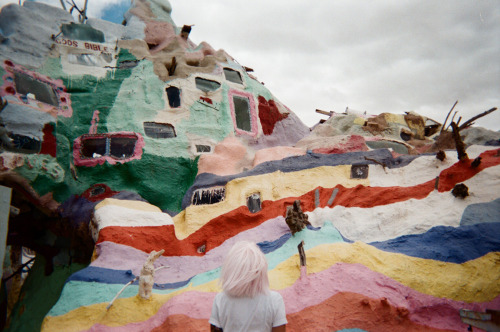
[253,113]
[89,162]
[9,88]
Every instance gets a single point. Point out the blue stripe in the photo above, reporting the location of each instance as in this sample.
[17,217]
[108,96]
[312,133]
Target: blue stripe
[111,276]
[447,244]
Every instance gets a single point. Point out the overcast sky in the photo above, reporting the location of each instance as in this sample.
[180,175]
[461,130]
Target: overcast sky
[373,56]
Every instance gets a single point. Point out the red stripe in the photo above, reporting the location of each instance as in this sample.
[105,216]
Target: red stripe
[227,225]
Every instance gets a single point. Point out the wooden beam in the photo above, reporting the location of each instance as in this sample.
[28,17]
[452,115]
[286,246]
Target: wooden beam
[324,112]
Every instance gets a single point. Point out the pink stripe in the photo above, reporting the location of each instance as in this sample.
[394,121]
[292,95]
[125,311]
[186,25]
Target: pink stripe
[183,267]
[308,291]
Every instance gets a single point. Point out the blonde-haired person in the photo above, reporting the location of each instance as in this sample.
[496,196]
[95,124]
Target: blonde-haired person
[246,303]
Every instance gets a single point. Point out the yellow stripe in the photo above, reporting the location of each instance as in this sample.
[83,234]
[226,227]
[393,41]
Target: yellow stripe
[272,186]
[472,281]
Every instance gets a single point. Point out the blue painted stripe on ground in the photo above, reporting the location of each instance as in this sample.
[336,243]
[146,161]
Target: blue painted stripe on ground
[447,244]
[269,246]
[111,276]
[102,289]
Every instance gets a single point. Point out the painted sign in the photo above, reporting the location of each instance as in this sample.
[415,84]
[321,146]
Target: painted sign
[85,45]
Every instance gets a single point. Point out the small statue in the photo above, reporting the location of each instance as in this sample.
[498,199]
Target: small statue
[295,219]
[146,280]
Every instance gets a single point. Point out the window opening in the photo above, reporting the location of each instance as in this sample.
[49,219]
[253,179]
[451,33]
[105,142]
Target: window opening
[242,113]
[43,92]
[94,147]
[118,147]
[82,32]
[127,64]
[206,85]
[233,76]
[359,171]
[122,147]
[83,59]
[159,130]
[203,148]
[201,249]
[174,96]
[209,196]
[431,127]
[405,136]
[22,144]
[253,203]
[186,29]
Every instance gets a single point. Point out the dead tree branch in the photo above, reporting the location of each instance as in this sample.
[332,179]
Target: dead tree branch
[452,118]
[376,162]
[469,122]
[444,123]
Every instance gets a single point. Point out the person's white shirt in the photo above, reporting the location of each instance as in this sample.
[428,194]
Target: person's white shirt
[245,314]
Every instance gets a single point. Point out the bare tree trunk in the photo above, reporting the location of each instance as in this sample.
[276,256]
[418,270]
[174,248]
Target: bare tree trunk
[459,144]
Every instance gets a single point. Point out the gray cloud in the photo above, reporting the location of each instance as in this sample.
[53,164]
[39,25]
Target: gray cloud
[378,56]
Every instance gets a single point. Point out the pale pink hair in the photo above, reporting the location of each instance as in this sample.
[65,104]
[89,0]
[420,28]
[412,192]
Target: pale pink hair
[244,271]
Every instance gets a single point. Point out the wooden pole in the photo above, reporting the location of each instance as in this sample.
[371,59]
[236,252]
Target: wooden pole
[302,254]
[84,14]
[459,144]
[324,112]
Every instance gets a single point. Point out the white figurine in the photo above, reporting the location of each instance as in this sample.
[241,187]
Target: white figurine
[146,280]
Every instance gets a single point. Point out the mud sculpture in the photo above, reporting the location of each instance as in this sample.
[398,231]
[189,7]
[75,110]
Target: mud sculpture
[460,190]
[295,218]
[119,141]
[147,278]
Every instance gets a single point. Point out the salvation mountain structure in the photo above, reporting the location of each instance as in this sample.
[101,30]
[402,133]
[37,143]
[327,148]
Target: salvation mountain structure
[132,159]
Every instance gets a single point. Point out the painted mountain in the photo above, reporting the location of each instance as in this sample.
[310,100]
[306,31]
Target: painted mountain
[118,140]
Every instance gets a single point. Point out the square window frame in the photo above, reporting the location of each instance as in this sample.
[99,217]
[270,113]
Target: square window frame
[253,113]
